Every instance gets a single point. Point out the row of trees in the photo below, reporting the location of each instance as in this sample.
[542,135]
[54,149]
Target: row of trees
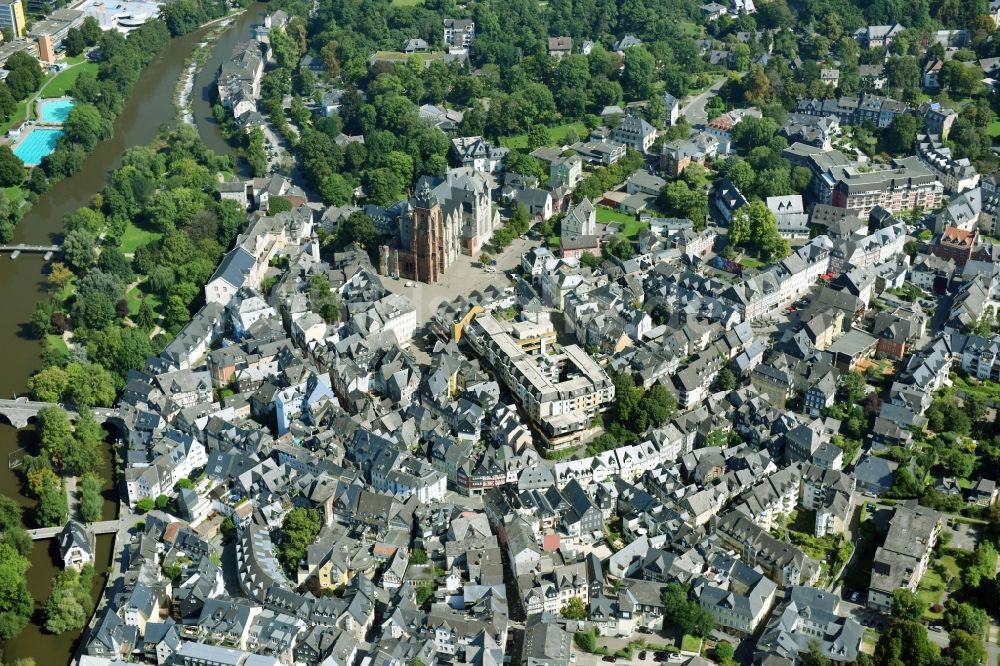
[16,604]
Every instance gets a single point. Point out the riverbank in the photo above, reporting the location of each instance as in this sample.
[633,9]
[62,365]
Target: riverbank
[23,282]
[193,64]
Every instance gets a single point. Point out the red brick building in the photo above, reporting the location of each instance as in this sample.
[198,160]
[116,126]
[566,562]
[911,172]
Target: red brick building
[956,244]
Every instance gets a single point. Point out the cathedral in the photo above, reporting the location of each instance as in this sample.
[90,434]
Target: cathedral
[446,217]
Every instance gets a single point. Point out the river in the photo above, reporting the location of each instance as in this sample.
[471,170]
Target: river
[23,284]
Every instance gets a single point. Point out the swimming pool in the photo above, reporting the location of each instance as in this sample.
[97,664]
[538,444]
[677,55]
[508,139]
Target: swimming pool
[55,110]
[39,142]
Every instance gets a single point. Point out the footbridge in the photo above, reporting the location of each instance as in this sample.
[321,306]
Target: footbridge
[102,527]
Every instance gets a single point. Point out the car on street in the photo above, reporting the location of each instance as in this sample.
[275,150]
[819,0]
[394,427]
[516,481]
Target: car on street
[936,627]
[608,658]
[490,269]
[408,284]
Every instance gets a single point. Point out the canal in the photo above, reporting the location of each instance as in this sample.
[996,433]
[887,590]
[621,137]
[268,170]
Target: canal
[23,283]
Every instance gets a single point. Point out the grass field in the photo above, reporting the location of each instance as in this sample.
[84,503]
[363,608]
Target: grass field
[557,135]
[630,226]
[405,3]
[994,129]
[136,236]
[60,85]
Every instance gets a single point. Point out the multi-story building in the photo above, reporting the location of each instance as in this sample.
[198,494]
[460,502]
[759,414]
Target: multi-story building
[634,132]
[459,33]
[782,562]
[12,16]
[908,185]
[561,392]
[902,559]
[956,245]
[760,294]
[956,175]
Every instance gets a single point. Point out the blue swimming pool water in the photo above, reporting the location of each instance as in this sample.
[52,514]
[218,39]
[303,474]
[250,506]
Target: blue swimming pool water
[55,111]
[39,143]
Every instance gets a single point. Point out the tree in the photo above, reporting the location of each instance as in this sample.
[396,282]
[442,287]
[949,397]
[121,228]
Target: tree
[964,649]
[982,565]
[53,508]
[74,42]
[48,384]
[91,501]
[299,529]
[574,609]
[586,640]
[637,79]
[277,205]
[80,249]
[906,605]
[145,317]
[725,654]
[852,388]
[418,556]
[91,31]
[900,135]
[725,380]
[55,433]
[964,616]
[86,126]
[11,168]
[16,604]
[145,505]
[686,614]
[59,275]
[905,643]
[69,602]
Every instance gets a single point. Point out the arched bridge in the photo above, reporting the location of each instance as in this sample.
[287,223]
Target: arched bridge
[21,410]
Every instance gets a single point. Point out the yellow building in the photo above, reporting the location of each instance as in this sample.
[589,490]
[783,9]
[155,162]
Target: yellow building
[12,16]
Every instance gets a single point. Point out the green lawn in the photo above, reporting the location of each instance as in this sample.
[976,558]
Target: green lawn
[930,592]
[630,226]
[14,194]
[16,118]
[557,135]
[691,644]
[994,129]
[57,342]
[137,295]
[62,82]
[136,236]
[988,390]
[405,3]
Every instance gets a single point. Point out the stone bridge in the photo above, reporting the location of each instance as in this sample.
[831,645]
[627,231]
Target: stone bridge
[22,410]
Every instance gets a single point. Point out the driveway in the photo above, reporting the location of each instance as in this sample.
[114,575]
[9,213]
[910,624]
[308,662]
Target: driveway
[964,536]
